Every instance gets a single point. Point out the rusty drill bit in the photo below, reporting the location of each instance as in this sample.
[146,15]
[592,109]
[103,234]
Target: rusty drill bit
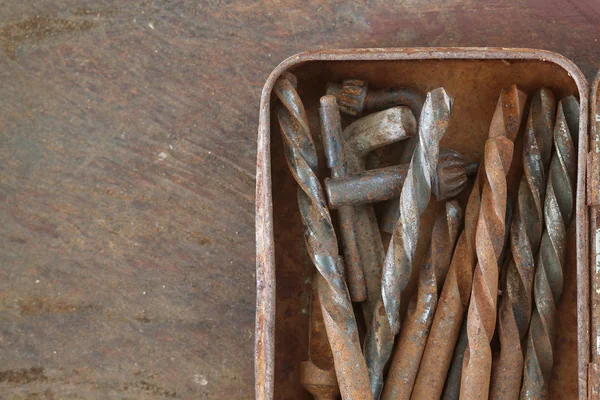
[361,137]
[548,279]
[452,304]
[452,385]
[401,251]
[317,374]
[489,240]
[386,183]
[514,311]
[354,97]
[450,180]
[321,243]
[331,128]
[413,335]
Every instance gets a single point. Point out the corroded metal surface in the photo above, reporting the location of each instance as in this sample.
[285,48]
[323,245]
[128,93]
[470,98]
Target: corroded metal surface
[489,240]
[450,180]
[354,97]
[549,274]
[386,183]
[414,198]
[514,310]
[331,132]
[317,374]
[321,243]
[360,138]
[413,335]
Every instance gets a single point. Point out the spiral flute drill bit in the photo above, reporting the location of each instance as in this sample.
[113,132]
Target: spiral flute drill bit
[452,385]
[321,243]
[456,292]
[514,311]
[413,335]
[397,267]
[548,279]
[489,240]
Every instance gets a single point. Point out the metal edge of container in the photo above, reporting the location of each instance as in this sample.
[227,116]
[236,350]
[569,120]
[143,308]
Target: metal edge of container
[264,350]
[593,193]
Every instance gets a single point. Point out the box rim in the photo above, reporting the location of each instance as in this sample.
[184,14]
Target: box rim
[264,348]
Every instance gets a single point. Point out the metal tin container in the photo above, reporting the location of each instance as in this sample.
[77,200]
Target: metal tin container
[474,78]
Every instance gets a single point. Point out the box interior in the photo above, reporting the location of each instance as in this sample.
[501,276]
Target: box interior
[474,85]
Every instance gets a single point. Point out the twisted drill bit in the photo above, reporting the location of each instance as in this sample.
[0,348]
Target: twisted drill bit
[489,240]
[452,385]
[360,138]
[526,231]
[331,128]
[321,243]
[397,267]
[548,279]
[456,292]
[413,335]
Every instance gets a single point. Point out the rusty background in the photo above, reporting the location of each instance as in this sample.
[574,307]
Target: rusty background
[127,162]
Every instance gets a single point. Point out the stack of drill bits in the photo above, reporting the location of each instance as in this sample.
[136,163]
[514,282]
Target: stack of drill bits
[317,374]
[413,335]
[452,385]
[489,240]
[382,184]
[456,292]
[526,231]
[321,243]
[451,179]
[331,128]
[360,138]
[414,198]
[548,280]
[354,97]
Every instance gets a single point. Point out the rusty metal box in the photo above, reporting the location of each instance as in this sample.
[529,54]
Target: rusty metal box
[473,77]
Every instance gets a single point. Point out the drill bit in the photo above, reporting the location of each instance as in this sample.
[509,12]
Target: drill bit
[381,184]
[331,128]
[514,311]
[317,374]
[354,97]
[450,180]
[361,137]
[489,240]
[321,243]
[413,335]
[452,385]
[397,268]
[548,279]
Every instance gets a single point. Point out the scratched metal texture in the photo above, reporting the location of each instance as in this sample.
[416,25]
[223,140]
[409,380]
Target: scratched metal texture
[127,161]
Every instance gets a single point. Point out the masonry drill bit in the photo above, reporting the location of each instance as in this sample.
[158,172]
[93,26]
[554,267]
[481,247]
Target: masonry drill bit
[413,335]
[514,310]
[397,268]
[381,184]
[489,240]
[331,128]
[360,138]
[317,374]
[354,97]
[321,243]
[548,279]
